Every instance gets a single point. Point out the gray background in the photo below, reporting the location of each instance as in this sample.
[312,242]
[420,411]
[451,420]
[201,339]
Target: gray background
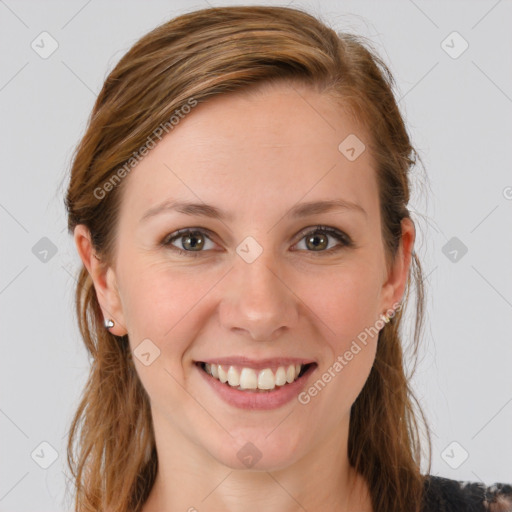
[459,114]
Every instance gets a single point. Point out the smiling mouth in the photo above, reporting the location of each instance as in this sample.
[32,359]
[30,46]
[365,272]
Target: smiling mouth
[249,379]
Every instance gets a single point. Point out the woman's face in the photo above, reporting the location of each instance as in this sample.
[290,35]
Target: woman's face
[257,286]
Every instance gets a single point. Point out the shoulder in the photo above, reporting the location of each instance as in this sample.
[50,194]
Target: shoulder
[446,495]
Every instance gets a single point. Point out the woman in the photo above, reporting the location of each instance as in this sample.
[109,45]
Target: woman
[239,202]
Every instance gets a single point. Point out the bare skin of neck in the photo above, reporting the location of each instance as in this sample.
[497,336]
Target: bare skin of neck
[357,499]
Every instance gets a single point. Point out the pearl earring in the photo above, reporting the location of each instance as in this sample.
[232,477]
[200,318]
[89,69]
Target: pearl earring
[385,318]
[109,323]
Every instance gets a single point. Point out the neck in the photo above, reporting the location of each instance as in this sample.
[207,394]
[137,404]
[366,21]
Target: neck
[190,479]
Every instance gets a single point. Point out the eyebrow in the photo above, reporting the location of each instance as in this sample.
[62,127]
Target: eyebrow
[207,210]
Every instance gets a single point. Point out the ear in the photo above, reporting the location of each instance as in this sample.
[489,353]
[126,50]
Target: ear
[394,287]
[104,280]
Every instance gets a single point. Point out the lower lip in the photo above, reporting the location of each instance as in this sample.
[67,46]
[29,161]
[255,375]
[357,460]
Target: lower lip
[256,399]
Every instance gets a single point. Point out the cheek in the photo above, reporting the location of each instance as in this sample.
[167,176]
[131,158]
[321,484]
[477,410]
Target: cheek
[347,306]
[346,301]
[161,303]
[340,382]
[163,311]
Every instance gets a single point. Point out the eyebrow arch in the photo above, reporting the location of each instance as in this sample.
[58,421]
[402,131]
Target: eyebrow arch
[298,211]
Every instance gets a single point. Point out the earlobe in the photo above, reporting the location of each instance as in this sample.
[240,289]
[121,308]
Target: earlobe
[104,281]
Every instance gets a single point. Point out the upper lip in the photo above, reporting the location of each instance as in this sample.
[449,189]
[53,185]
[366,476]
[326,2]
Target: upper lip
[257,364]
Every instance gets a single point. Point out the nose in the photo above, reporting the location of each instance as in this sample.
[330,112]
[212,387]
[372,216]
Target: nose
[258,302]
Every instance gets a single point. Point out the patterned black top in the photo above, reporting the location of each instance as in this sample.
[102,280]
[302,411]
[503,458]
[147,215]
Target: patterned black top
[446,495]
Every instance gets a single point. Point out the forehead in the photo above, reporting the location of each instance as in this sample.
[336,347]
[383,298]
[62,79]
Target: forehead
[264,150]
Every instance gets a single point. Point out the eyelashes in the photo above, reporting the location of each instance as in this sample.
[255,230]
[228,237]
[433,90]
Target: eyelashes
[314,233]
[343,239]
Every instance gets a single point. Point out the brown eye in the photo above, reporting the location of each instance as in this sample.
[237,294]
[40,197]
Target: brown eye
[317,240]
[193,241]
[187,241]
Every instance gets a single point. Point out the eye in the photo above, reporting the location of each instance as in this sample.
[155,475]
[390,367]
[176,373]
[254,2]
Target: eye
[317,239]
[191,241]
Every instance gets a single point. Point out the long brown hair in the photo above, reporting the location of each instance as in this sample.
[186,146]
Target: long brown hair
[111,446]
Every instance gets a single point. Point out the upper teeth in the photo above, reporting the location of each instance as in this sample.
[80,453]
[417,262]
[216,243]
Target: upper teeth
[248,378]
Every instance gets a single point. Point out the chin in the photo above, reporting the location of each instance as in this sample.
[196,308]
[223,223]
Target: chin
[257,450]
